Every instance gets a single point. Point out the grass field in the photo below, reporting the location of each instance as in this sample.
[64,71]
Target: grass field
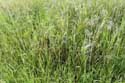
[62,41]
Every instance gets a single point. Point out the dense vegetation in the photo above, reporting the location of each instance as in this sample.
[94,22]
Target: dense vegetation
[62,41]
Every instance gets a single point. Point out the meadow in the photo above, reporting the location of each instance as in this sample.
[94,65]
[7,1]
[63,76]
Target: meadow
[62,41]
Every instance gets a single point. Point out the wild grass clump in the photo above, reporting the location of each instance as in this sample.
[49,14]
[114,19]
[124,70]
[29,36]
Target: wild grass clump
[62,41]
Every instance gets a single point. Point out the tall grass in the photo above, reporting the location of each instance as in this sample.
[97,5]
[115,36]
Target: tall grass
[62,41]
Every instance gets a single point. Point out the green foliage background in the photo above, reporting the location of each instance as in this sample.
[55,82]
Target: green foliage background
[62,41]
